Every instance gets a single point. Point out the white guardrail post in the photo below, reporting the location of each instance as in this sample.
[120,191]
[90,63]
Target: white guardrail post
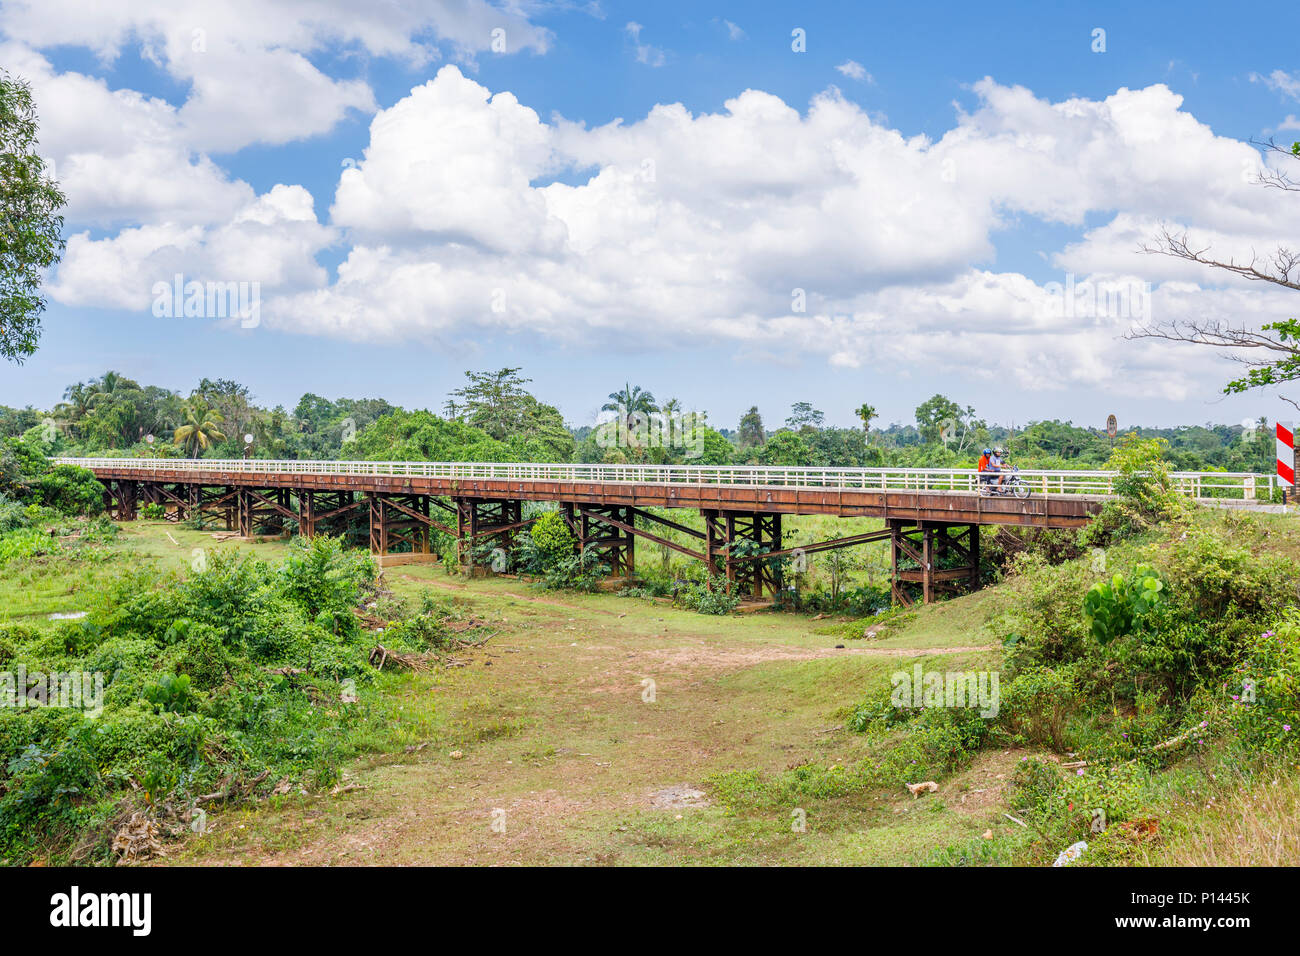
[1243,486]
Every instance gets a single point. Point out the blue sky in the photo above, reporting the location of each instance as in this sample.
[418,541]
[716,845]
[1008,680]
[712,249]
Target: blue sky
[930,321]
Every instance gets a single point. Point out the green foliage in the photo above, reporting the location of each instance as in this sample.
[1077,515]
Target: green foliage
[552,538]
[25,543]
[230,671]
[1144,490]
[200,427]
[1120,606]
[171,694]
[153,511]
[712,594]
[576,572]
[1037,704]
[30,224]
[1265,692]
[324,577]
[785,448]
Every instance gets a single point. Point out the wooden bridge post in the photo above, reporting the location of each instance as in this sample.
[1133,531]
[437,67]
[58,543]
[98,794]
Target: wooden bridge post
[244,511]
[714,540]
[307,514]
[927,565]
[378,527]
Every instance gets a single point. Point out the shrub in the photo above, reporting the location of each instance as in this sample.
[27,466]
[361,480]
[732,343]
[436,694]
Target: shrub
[1120,606]
[70,489]
[576,572]
[25,543]
[171,694]
[153,511]
[1037,704]
[552,538]
[1265,692]
[322,575]
[711,595]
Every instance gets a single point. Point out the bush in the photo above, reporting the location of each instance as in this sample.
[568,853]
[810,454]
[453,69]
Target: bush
[323,576]
[1037,705]
[576,572]
[552,538]
[195,690]
[711,595]
[70,489]
[153,511]
[1265,692]
[1145,492]
[1121,605]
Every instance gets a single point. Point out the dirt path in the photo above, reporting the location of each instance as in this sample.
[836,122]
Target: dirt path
[585,734]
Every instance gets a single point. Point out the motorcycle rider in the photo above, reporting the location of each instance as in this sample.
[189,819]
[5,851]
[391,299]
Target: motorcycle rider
[996,461]
[983,467]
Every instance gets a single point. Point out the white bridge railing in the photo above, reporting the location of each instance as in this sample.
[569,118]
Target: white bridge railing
[1243,486]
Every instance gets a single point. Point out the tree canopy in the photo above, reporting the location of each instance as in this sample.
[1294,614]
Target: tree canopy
[30,224]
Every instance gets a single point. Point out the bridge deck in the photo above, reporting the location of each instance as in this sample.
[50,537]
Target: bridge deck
[958,507]
[930,515]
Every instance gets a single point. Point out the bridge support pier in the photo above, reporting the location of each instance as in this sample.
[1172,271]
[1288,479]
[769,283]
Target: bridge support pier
[610,531]
[121,498]
[941,557]
[401,521]
[481,521]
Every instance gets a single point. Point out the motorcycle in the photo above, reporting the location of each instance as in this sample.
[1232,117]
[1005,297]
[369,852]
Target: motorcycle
[1011,487]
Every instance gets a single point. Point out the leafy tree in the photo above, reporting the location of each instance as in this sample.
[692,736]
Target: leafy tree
[785,448]
[30,225]
[200,429]
[933,414]
[235,405]
[423,436]
[494,402]
[837,448]
[803,417]
[750,434]
[15,421]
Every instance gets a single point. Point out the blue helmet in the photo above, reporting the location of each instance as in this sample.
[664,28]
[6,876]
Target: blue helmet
[988,451]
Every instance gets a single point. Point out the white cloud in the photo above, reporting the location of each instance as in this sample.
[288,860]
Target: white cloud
[468,214]
[121,157]
[855,71]
[1288,84]
[273,240]
[693,230]
[645,53]
[248,63]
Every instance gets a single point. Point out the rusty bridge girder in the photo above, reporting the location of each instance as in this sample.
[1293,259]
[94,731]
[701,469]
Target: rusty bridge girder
[934,537]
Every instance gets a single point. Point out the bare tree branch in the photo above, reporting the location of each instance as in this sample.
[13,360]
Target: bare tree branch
[1276,178]
[1277,269]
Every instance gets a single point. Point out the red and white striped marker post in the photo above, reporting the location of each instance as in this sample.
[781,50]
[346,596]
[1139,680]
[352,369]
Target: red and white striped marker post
[1286,453]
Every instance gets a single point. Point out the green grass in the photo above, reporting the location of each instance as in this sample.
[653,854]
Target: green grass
[547,723]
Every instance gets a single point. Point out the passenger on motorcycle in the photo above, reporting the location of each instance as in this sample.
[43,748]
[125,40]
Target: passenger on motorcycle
[983,468]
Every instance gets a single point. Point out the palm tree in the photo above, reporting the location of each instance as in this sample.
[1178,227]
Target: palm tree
[200,428]
[866,413]
[76,405]
[109,386]
[630,400]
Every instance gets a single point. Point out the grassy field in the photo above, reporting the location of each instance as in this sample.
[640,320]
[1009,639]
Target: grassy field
[594,729]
